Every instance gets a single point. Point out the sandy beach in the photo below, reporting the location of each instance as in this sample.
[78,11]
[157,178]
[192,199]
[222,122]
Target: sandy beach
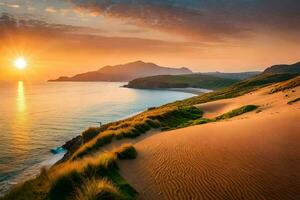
[253,156]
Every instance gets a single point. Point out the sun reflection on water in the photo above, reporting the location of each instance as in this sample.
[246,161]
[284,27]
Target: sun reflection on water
[19,127]
[21,100]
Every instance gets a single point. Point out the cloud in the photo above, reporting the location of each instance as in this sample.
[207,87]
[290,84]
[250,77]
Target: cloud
[13,5]
[12,24]
[202,20]
[50,10]
[79,37]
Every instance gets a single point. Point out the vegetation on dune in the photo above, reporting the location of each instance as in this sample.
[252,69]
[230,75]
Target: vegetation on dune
[293,101]
[170,116]
[295,82]
[126,151]
[98,190]
[166,118]
[90,133]
[237,112]
[237,89]
[228,115]
[90,178]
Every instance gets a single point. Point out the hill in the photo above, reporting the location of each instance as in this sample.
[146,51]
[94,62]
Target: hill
[287,69]
[125,72]
[235,76]
[215,80]
[181,81]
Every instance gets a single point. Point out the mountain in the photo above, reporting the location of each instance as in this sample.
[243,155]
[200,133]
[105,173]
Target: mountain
[287,69]
[235,76]
[215,80]
[125,72]
[181,81]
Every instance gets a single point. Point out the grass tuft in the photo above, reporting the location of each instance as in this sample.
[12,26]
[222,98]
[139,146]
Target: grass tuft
[237,112]
[126,151]
[90,133]
[166,119]
[98,190]
[293,101]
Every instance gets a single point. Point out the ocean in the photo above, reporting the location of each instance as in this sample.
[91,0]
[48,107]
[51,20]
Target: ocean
[37,117]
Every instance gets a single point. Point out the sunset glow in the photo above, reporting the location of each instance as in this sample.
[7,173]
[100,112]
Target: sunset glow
[79,36]
[201,91]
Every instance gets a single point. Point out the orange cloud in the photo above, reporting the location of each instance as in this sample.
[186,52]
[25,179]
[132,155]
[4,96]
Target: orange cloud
[55,49]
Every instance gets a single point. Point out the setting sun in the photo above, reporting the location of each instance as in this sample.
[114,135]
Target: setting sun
[20,63]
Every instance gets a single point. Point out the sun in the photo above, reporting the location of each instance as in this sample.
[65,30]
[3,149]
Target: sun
[20,63]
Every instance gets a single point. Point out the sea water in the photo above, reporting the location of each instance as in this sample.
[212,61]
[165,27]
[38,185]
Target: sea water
[34,118]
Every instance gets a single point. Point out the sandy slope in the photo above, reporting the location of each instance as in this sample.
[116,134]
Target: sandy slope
[256,156]
[269,103]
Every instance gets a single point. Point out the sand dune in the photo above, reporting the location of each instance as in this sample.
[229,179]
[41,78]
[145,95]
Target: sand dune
[248,157]
[267,102]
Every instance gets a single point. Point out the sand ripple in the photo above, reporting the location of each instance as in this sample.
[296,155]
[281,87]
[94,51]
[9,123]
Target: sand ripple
[256,158]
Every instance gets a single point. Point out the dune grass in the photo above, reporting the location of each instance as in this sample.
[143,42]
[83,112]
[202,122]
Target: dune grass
[72,179]
[170,116]
[98,189]
[236,112]
[292,83]
[228,115]
[293,101]
[166,118]
[126,151]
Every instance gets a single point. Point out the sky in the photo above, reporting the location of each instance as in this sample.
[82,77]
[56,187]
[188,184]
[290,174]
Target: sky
[66,37]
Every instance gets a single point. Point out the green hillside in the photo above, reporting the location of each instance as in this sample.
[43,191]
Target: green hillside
[181,81]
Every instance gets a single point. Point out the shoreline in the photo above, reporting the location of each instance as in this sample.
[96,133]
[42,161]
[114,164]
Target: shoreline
[72,145]
[55,159]
[191,90]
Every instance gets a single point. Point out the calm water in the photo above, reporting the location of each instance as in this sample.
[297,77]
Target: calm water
[36,118]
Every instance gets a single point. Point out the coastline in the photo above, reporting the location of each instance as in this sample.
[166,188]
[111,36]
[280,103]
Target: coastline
[73,144]
[191,90]
[53,160]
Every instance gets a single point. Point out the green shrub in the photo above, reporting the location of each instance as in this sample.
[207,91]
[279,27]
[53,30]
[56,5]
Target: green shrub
[99,190]
[90,133]
[126,152]
[101,141]
[65,185]
[142,127]
[153,123]
[237,112]
[293,101]
[202,121]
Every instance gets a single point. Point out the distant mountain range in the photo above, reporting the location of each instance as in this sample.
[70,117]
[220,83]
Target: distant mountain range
[125,72]
[286,69]
[139,71]
[212,80]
